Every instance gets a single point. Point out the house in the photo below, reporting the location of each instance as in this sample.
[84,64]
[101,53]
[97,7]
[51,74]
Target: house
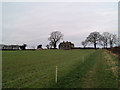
[66,45]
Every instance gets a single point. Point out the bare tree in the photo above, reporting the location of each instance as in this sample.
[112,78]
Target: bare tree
[105,39]
[118,41]
[84,43]
[55,37]
[112,39]
[94,38]
[48,46]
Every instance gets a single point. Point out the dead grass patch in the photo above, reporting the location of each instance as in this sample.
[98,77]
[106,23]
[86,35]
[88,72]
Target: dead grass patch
[112,53]
[111,62]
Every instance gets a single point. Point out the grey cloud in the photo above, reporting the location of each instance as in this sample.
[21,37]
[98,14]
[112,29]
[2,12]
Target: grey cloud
[34,22]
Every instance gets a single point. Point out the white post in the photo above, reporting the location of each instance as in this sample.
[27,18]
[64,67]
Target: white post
[56,74]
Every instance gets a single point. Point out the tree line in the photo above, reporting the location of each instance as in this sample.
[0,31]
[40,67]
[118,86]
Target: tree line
[105,39]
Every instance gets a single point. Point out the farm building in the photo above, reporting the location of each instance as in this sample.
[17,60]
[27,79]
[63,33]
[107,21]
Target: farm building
[66,45]
[9,47]
[12,47]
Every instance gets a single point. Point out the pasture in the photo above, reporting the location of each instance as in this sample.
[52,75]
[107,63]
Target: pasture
[76,69]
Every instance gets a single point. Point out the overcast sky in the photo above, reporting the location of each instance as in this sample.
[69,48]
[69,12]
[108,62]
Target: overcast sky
[32,22]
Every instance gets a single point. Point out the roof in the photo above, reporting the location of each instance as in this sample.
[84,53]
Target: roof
[66,43]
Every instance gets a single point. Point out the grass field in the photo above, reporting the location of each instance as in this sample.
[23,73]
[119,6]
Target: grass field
[36,69]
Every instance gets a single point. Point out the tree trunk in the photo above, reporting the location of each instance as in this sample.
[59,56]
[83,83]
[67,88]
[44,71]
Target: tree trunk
[111,44]
[95,45]
[54,45]
[106,45]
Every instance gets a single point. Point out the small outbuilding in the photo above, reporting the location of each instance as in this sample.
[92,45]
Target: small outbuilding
[66,45]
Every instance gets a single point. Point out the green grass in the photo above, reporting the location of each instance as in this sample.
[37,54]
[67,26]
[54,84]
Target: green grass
[36,69]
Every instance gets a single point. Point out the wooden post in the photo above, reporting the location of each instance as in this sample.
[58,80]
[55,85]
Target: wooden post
[56,74]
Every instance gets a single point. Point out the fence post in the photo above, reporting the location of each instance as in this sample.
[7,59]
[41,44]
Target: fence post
[56,74]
